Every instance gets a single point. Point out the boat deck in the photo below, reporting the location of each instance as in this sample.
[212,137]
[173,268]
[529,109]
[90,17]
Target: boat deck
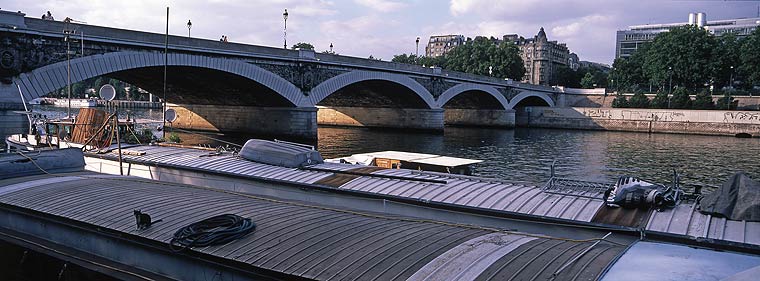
[293,239]
[682,222]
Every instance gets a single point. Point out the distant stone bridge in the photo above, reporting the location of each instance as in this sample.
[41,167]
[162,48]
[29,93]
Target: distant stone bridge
[237,87]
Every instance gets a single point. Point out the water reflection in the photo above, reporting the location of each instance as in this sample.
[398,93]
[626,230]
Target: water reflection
[524,155]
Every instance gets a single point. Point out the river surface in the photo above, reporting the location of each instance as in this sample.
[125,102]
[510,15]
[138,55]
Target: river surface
[524,155]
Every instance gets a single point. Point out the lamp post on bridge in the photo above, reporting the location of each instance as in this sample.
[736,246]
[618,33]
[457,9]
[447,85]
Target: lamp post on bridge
[189,25]
[730,89]
[67,32]
[670,84]
[417,53]
[285,33]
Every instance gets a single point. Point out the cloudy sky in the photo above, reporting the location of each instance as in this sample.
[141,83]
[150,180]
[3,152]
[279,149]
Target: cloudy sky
[383,28]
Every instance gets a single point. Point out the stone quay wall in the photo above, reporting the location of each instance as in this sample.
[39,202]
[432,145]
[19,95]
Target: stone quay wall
[703,122]
[597,98]
[402,118]
[498,118]
[276,121]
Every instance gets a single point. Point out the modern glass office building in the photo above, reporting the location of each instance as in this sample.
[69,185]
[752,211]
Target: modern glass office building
[629,40]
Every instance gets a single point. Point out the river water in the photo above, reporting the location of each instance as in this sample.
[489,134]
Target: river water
[524,155]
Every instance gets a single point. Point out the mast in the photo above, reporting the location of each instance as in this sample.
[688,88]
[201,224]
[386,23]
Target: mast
[166,61]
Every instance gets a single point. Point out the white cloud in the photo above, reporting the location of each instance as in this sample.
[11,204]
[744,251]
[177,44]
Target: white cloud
[382,5]
[386,27]
[361,36]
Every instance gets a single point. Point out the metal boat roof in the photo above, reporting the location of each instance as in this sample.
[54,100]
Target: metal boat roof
[684,221]
[291,238]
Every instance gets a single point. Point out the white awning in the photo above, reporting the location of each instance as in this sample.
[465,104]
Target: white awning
[421,158]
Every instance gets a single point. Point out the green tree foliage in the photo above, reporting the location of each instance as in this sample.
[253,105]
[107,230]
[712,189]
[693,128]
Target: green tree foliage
[404,58]
[726,102]
[302,46]
[79,89]
[687,50]
[703,100]
[564,76]
[620,101]
[749,68]
[477,55]
[639,100]
[660,100]
[421,60]
[587,82]
[680,99]
[628,73]
[725,55]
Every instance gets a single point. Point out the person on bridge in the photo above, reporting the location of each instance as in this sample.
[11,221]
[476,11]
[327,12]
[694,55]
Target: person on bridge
[47,16]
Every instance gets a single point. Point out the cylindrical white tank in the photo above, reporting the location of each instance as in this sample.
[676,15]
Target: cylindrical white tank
[692,18]
[701,19]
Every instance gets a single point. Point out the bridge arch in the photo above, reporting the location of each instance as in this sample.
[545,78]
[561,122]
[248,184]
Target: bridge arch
[49,78]
[465,87]
[530,94]
[330,86]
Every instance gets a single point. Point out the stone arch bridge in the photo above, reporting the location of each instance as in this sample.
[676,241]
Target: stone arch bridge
[222,86]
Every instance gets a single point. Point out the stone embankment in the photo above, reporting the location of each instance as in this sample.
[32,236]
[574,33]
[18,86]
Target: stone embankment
[704,122]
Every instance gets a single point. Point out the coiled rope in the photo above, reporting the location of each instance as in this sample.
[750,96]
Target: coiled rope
[216,230]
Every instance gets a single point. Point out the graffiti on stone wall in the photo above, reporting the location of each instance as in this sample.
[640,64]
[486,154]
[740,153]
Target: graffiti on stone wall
[741,117]
[634,115]
[597,113]
[652,115]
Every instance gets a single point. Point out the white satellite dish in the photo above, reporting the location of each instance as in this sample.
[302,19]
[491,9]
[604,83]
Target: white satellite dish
[107,92]
[170,115]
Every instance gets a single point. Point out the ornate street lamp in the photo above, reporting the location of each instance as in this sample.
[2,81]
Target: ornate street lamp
[285,34]
[731,88]
[417,54]
[189,25]
[670,84]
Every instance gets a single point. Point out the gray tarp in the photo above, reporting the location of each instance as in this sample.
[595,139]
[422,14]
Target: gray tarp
[280,153]
[737,199]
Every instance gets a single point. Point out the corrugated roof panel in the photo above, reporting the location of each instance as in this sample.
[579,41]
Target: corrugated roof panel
[530,205]
[495,195]
[590,208]
[475,190]
[752,233]
[509,199]
[456,192]
[736,231]
[681,218]
[462,190]
[386,187]
[347,250]
[585,210]
[360,183]
[419,191]
[407,188]
[551,207]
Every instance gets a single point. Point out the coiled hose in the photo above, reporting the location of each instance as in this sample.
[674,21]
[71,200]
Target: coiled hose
[216,230]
